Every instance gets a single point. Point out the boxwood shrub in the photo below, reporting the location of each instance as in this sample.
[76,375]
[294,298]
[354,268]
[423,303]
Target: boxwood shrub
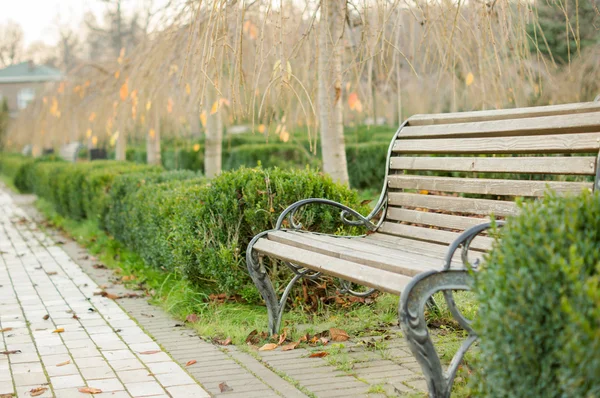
[539,318]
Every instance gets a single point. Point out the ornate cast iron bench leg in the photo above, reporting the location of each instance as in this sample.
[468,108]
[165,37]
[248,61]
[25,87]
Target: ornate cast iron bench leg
[412,313]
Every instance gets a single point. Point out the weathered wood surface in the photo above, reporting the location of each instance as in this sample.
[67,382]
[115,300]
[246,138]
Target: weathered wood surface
[576,165]
[485,186]
[567,143]
[503,114]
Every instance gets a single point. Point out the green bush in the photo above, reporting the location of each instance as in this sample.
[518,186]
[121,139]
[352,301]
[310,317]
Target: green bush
[121,218]
[539,318]
[215,225]
[77,190]
[269,155]
[367,164]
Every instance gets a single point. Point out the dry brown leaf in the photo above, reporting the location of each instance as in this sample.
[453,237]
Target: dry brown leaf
[190,362]
[282,337]
[227,341]
[303,338]
[324,340]
[320,354]
[37,391]
[290,346]
[52,273]
[223,387]
[338,335]
[268,347]
[46,317]
[252,337]
[59,330]
[191,318]
[11,352]
[64,363]
[5,330]
[90,390]
[149,352]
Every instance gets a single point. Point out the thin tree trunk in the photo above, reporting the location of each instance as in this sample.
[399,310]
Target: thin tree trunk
[331,31]
[214,136]
[153,142]
[122,138]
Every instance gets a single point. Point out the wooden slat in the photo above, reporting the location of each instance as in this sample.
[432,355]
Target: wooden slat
[503,114]
[461,205]
[565,143]
[404,263]
[480,243]
[578,165]
[486,186]
[573,124]
[434,219]
[431,249]
[358,273]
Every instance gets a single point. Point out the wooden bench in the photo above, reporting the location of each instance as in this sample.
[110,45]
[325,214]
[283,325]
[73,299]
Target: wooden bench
[70,152]
[428,228]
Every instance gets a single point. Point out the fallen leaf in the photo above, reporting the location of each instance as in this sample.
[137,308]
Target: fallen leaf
[64,363]
[59,330]
[191,318]
[99,266]
[338,335]
[191,362]
[223,387]
[11,352]
[282,337]
[51,273]
[320,354]
[37,391]
[303,338]
[324,340]
[290,346]
[75,316]
[252,337]
[46,317]
[149,352]
[5,330]
[90,390]
[268,347]
[227,341]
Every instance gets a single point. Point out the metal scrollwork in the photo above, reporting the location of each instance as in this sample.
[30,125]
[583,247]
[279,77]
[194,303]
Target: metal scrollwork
[348,216]
[412,312]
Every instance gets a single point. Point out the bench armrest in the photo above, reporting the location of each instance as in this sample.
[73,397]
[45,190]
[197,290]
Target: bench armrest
[465,240]
[349,216]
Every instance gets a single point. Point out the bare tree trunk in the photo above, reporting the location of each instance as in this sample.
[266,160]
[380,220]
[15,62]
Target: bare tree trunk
[153,142]
[331,31]
[214,136]
[122,138]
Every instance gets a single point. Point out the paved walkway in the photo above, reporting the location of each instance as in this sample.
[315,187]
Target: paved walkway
[59,337]
[128,347]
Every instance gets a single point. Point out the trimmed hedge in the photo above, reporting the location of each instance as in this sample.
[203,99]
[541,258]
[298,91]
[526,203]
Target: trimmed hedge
[201,230]
[269,155]
[539,294]
[178,222]
[366,164]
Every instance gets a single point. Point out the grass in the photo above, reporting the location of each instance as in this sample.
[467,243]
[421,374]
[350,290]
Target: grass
[216,320]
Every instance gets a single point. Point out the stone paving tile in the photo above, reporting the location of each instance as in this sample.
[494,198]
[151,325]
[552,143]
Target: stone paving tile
[41,289]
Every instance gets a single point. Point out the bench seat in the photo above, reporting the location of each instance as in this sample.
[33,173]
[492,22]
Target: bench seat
[446,177]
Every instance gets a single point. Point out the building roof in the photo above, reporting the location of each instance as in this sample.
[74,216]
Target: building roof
[29,72]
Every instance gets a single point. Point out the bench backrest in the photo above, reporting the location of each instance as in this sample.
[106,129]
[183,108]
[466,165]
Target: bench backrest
[448,171]
[70,152]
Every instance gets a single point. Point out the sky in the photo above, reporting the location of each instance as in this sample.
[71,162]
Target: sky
[39,18]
